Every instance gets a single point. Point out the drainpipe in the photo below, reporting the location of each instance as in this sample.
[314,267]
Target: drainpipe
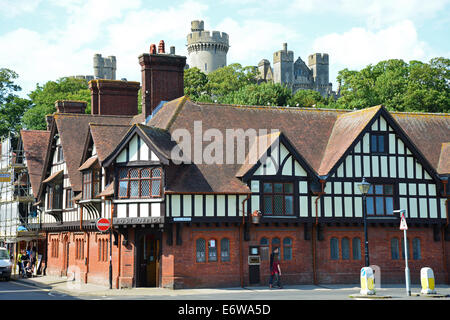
[444,182]
[241,236]
[314,233]
[81,217]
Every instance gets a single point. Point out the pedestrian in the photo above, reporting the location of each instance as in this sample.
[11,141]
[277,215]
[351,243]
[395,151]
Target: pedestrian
[33,257]
[19,261]
[25,259]
[274,257]
[276,270]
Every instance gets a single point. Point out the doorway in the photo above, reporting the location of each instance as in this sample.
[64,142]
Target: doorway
[149,261]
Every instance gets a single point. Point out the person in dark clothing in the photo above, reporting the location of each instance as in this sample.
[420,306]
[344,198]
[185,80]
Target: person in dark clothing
[275,270]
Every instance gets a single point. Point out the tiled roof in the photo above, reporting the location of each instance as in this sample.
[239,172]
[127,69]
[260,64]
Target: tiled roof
[444,159]
[106,137]
[346,129]
[321,136]
[73,131]
[428,131]
[35,144]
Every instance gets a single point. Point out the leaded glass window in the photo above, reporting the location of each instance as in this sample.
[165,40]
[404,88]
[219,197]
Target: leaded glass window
[287,249]
[416,249]
[201,250]
[345,243]
[356,248]
[380,200]
[212,250]
[334,249]
[225,250]
[140,183]
[278,198]
[394,249]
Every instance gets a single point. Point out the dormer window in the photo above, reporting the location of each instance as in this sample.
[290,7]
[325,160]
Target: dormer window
[140,183]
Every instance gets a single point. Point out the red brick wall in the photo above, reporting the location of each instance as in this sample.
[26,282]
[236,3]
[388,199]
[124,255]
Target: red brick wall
[179,268]
[96,270]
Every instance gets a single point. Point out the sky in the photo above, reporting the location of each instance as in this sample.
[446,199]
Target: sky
[44,40]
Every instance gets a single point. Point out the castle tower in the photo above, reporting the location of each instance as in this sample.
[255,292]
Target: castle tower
[104,68]
[319,64]
[206,50]
[283,66]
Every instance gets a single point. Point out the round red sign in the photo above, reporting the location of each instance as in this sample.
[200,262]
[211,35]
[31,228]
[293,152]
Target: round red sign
[103,224]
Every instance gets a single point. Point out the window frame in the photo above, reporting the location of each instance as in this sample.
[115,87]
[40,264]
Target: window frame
[385,143]
[274,194]
[373,196]
[336,255]
[357,247]
[288,246]
[151,179]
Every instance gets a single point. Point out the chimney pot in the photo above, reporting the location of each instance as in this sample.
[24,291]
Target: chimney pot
[172,50]
[161,47]
[152,48]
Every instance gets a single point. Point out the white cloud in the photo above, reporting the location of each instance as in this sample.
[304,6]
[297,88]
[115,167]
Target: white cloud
[124,29]
[13,8]
[253,40]
[359,47]
[376,13]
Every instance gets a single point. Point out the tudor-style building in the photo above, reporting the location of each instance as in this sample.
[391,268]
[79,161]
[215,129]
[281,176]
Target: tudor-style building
[189,224]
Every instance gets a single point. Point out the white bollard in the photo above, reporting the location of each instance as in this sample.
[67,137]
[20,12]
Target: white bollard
[367,281]
[427,280]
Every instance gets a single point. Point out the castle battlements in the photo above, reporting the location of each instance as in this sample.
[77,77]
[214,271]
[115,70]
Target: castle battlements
[207,37]
[207,49]
[318,58]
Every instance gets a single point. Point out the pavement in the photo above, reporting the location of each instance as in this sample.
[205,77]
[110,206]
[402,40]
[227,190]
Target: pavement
[289,292]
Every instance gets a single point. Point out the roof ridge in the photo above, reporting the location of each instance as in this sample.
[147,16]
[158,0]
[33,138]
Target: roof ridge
[270,107]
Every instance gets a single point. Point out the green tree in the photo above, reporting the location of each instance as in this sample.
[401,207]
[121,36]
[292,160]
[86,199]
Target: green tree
[195,83]
[307,98]
[12,107]
[44,97]
[399,86]
[226,80]
[260,95]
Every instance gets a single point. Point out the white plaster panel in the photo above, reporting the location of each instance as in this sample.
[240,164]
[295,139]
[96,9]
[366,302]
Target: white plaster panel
[221,205]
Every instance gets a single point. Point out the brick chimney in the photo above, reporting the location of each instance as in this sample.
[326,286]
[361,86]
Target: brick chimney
[70,106]
[114,97]
[162,77]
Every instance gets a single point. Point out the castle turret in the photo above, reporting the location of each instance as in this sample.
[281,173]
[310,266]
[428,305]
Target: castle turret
[319,64]
[104,68]
[283,66]
[206,50]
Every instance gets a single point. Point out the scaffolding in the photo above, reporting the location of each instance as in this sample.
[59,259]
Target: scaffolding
[16,199]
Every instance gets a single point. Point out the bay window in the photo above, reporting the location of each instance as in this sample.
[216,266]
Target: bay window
[140,183]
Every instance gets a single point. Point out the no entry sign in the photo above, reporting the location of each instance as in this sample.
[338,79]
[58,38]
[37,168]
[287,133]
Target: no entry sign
[103,224]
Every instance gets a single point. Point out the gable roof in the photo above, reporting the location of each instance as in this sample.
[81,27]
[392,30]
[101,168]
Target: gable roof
[35,144]
[106,137]
[73,131]
[159,140]
[346,129]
